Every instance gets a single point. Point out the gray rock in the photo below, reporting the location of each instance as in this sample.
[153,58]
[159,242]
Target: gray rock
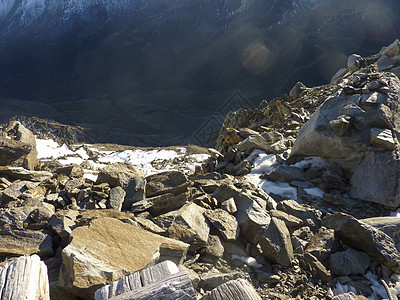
[213,250]
[349,262]
[255,142]
[188,224]
[309,216]
[14,191]
[174,182]
[340,124]
[353,62]
[316,268]
[120,287]
[339,75]
[225,223]
[238,289]
[160,204]
[345,296]
[15,241]
[291,222]
[117,197]
[126,176]
[382,137]
[386,63]
[285,173]
[17,146]
[296,90]
[388,225]
[276,243]
[364,237]
[63,222]
[383,189]
[229,206]
[392,50]
[323,244]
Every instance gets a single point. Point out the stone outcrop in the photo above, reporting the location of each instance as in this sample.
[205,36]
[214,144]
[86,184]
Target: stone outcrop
[17,146]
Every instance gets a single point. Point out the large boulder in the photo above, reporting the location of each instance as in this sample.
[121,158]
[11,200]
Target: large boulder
[107,250]
[358,127]
[17,146]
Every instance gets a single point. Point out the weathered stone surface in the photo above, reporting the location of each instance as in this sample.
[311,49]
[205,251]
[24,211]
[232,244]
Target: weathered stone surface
[126,176]
[353,62]
[172,287]
[389,225]
[238,289]
[104,252]
[24,279]
[291,222]
[317,130]
[120,287]
[349,262]
[14,191]
[308,215]
[316,268]
[17,146]
[383,189]
[364,237]
[117,198]
[276,243]
[213,250]
[392,50]
[255,142]
[225,223]
[23,174]
[323,244]
[167,202]
[74,171]
[229,206]
[174,182]
[15,241]
[285,173]
[62,222]
[188,224]
[346,296]
[382,137]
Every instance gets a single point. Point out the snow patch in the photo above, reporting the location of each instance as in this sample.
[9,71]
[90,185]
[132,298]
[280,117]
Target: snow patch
[316,192]
[308,162]
[250,261]
[51,149]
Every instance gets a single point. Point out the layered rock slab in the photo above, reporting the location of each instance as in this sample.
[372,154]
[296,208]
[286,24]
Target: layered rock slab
[107,250]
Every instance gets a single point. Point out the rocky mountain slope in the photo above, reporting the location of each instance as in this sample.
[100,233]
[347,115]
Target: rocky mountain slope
[130,65]
[299,200]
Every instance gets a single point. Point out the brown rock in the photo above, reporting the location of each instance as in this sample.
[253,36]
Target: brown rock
[174,182]
[225,223]
[108,250]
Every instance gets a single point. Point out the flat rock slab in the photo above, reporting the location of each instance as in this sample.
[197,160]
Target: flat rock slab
[364,237]
[23,174]
[24,279]
[172,287]
[15,241]
[137,280]
[174,182]
[108,249]
[238,289]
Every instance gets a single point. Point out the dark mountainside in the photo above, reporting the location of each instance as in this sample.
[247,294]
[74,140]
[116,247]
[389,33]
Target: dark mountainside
[153,72]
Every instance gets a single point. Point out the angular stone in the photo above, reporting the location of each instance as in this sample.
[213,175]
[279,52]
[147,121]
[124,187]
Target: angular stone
[74,171]
[117,197]
[225,223]
[276,243]
[316,268]
[229,206]
[104,252]
[23,174]
[238,289]
[158,272]
[174,182]
[389,225]
[14,191]
[18,146]
[126,176]
[364,237]
[255,142]
[349,262]
[63,222]
[392,50]
[291,222]
[353,62]
[188,224]
[285,173]
[382,138]
[120,287]
[340,125]
[309,216]
[213,250]
[383,189]
[24,279]
[15,241]
[323,244]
